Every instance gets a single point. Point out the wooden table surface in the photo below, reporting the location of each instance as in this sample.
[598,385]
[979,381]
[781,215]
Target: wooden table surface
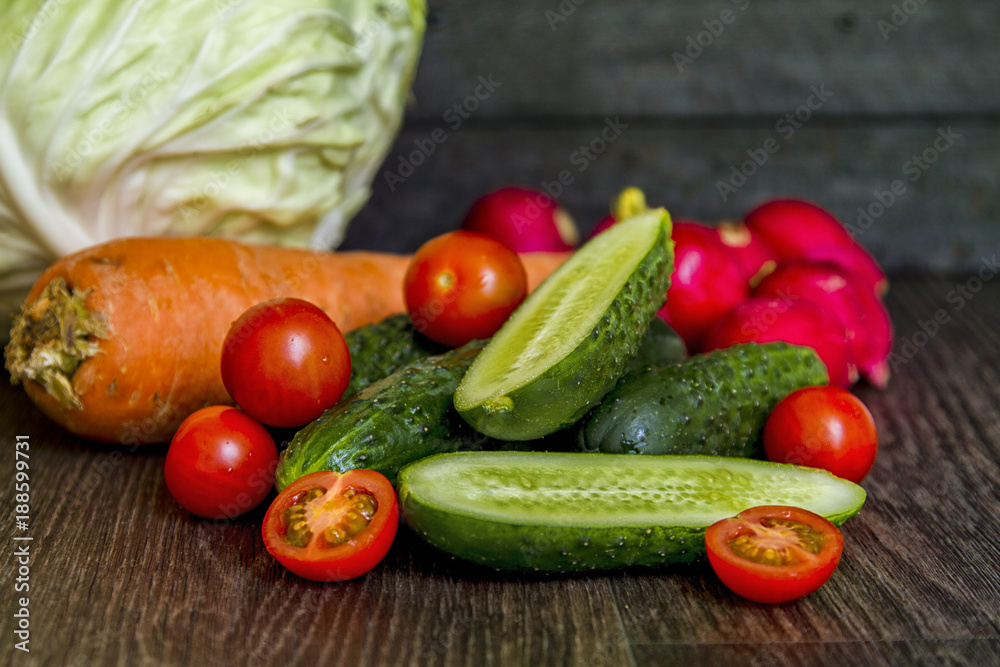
[120,575]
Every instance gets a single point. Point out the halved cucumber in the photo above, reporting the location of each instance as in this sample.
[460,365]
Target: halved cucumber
[563,512]
[571,339]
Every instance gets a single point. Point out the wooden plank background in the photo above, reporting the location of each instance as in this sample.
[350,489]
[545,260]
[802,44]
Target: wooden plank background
[510,92]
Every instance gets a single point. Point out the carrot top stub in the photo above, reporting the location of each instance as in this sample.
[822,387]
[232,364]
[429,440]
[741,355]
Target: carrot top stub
[51,337]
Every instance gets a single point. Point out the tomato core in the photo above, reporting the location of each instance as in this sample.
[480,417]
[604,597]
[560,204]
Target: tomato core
[777,541]
[335,518]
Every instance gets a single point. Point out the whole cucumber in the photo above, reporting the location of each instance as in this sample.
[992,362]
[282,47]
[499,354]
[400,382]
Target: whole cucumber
[662,345]
[401,418]
[380,348]
[713,403]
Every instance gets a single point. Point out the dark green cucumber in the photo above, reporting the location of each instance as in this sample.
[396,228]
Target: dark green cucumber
[396,420]
[568,512]
[662,345]
[713,403]
[571,339]
[380,348]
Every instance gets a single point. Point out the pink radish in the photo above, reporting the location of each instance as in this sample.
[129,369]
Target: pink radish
[763,319]
[526,220]
[708,280]
[756,257]
[847,296]
[855,259]
[793,226]
[874,360]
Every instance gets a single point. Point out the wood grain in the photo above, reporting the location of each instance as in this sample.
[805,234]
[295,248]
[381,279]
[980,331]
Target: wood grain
[120,575]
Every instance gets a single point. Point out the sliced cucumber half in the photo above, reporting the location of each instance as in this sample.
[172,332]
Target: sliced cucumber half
[577,511]
[570,340]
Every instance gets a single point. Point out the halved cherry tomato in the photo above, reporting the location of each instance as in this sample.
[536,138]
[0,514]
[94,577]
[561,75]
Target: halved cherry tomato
[463,285]
[773,553]
[328,526]
[823,427]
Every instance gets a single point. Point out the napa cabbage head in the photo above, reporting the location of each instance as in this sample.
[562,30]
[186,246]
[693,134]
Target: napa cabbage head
[262,120]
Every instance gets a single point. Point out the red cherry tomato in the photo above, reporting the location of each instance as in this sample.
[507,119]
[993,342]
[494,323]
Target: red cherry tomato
[285,362]
[774,554]
[328,526]
[463,285]
[823,427]
[220,463]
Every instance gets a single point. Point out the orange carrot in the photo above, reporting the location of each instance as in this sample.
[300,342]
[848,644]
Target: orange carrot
[121,341]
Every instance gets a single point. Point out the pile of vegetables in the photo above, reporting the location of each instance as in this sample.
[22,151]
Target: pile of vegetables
[121,341]
[255,120]
[789,272]
[667,391]
[465,387]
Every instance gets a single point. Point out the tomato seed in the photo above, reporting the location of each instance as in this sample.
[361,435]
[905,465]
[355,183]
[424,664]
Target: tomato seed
[297,532]
[352,522]
[747,548]
[352,512]
[334,536]
[808,538]
[760,546]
